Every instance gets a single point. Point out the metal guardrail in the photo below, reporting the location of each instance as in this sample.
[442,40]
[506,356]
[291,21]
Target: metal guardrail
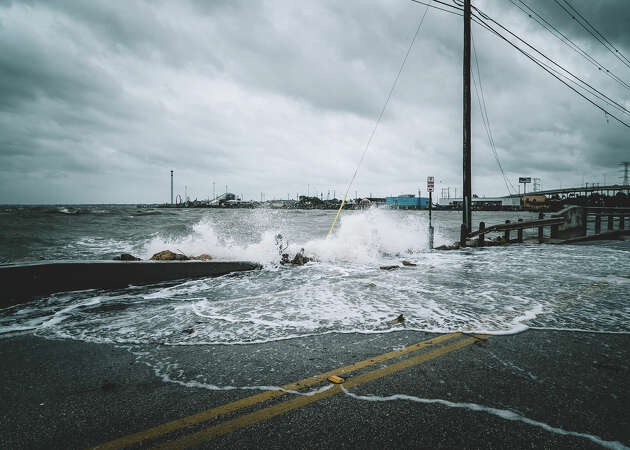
[568,223]
[511,226]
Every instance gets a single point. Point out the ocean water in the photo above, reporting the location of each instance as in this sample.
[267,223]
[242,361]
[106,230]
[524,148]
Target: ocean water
[494,290]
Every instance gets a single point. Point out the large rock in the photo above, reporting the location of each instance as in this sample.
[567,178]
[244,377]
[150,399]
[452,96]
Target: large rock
[126,257]
[298,260]
[202,257]
[168,255]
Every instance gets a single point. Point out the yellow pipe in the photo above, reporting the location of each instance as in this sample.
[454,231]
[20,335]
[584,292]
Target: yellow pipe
[337,216]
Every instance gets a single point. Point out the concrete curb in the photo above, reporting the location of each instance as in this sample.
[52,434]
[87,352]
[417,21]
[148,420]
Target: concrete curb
[25,280]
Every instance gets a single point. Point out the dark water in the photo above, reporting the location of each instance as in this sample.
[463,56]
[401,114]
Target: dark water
[496,290]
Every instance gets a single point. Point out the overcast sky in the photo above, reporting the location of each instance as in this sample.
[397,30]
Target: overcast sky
[99,100]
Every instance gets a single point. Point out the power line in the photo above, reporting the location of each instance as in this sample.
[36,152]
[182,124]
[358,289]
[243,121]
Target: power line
[441,9]
[537,17]
[579,84]
[484,116]
[594,32]
[480,21]
[593,91]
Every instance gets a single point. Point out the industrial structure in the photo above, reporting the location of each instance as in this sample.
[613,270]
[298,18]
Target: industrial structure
[552,199]
[407,201]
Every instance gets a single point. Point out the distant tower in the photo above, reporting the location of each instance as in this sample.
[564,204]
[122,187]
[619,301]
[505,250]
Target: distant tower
[625,172]
[171,187]
[536,184]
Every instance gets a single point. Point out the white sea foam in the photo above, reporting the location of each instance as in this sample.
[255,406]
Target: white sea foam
[496,290]
[502,413]
[367,236]
[205,239]
[360,237]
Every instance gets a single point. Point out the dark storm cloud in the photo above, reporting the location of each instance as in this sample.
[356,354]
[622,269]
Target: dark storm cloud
[609,17]
[100,100]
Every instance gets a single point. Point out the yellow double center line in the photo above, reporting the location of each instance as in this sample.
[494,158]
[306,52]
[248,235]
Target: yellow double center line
[288,405]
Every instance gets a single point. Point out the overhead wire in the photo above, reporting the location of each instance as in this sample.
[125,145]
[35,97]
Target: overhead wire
[593,31]
[378,120]
[479,19]
[585,85]
[537,17]
[485,120]
[437,7]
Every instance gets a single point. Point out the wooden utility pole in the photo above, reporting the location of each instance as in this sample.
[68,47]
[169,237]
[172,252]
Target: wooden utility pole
[467,197]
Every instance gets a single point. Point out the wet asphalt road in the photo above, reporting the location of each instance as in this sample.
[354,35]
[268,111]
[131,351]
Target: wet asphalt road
[547,389]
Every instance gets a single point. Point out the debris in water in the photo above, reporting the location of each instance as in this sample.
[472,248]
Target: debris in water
[389,267]
[189,330]
[408,263]
[455,246]
[281,244]
[399,319]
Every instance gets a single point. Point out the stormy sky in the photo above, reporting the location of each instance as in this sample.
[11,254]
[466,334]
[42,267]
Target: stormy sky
[99,100]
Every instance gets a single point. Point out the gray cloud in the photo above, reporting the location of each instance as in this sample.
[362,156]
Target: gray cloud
[100,100]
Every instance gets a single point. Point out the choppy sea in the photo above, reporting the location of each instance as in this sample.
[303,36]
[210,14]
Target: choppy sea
[494,290]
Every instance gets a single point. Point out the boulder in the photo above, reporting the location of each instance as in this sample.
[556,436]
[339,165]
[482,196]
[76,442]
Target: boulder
[168,255]
[126,257]
[202,257]
[300,259]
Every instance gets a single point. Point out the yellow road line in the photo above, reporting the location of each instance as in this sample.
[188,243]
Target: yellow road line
[204,416]
[288,405]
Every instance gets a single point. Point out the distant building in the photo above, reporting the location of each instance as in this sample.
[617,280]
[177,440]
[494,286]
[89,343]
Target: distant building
[483,202]
[535,201]
[377,201]
[408,201]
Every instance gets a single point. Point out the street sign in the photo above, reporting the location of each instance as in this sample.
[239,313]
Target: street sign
[430,186]
[525,180]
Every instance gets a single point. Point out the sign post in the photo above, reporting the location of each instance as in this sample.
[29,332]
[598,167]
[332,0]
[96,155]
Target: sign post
[430,187]
[524,180]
